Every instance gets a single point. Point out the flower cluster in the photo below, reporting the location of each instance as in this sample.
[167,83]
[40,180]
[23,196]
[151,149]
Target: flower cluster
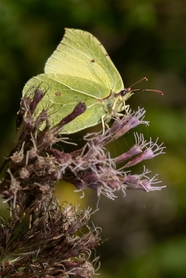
[52,245]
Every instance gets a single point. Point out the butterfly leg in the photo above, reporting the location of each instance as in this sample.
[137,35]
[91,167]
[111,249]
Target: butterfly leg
[104,120]
[127,107]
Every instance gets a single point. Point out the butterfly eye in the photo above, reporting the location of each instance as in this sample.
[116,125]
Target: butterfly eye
[124,92]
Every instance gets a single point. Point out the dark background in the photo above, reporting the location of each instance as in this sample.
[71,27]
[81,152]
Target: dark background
[147,231]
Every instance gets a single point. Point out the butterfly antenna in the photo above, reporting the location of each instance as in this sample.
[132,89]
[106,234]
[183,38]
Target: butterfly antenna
[139,81]
[142,89]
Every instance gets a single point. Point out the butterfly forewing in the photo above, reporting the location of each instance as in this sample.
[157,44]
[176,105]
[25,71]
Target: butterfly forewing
[80,54]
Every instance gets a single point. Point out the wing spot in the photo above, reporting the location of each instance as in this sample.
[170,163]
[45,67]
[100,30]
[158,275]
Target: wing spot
[58,94]
[93,61]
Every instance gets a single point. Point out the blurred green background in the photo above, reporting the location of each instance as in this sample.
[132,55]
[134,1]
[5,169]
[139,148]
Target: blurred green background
[147,231]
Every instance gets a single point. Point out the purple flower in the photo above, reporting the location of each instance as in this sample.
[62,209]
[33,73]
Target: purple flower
[54,243]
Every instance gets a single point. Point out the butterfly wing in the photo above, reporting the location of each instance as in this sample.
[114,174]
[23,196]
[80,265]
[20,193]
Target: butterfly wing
[63,93]
[79,70]
[81,55]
